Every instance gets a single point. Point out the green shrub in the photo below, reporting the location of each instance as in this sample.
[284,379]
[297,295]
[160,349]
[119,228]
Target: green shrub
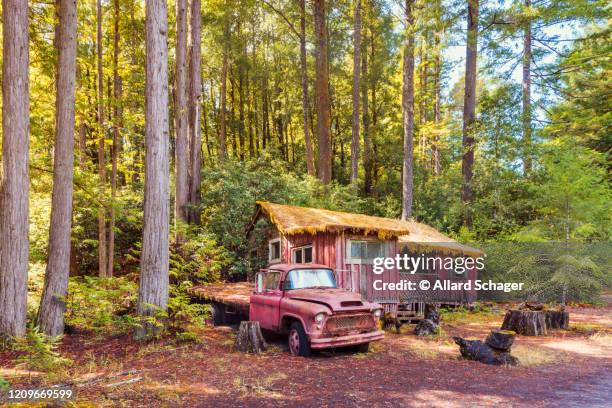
[198,259]
[4,384]
[39,351]
[103,305]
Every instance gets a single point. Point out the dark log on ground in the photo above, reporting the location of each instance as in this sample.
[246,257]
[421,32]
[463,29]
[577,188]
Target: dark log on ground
[249,338]
[478,351]
[557,319]
[500,339]
[432,313]
[525,322]
[425,327]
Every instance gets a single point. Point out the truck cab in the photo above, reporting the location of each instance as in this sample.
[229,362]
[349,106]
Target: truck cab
[304,302]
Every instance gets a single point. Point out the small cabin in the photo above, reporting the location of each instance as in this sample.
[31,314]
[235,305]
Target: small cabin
[349,243]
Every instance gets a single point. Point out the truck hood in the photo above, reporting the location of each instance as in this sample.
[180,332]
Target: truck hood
[335,299]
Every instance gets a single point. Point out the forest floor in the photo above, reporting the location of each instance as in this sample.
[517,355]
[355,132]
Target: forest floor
[564,368]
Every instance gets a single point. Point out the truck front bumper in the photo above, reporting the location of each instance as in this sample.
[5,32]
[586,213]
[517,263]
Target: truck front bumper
[349,340]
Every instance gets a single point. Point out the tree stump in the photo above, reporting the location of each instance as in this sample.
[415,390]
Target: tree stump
[557,319]
[478,351]
[525,322]
[249,338]
[432,313]
[500,339]
[425,327]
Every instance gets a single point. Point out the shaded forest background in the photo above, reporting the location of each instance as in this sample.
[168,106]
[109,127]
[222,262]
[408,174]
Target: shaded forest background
[541,130]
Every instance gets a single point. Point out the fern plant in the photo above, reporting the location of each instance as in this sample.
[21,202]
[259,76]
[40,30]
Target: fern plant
[39,351]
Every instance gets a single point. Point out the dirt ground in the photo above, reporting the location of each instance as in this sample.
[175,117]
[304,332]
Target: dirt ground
[565,368]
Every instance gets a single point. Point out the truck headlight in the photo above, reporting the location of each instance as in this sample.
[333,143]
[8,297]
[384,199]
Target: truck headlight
[377,313]
[319,317]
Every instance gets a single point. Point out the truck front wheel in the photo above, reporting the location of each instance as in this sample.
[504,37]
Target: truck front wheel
[298,341]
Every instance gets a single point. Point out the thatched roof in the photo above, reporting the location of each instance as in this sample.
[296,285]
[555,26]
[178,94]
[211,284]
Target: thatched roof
[422,237]
[291,220]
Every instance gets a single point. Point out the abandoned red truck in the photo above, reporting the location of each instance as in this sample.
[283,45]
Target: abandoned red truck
[303,302]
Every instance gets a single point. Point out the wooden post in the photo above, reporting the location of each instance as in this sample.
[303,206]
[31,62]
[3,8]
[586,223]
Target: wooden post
[250,339]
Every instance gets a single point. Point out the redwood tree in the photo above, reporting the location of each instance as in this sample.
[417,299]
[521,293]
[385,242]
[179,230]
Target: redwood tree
[52,306]
[14,185]
[154,263]
[469,110]
[181,161]
[324,161]
[195,95]
[102,243]
[356,89]
[408,112]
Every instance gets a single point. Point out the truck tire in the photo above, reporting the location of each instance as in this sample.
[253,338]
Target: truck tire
[298,341]
[218,314]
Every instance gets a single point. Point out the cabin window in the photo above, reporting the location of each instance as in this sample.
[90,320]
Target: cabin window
[275,250]
[302,254]
[271,280]
[365,250]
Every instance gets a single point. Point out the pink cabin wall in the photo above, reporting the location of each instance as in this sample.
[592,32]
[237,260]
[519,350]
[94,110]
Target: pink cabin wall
[329,249]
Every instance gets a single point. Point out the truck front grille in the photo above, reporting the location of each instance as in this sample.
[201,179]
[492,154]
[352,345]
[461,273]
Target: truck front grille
[338,325]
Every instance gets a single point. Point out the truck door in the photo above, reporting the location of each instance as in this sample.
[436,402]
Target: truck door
[265,304]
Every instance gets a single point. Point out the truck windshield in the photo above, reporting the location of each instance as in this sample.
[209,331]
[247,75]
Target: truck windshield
[310,278]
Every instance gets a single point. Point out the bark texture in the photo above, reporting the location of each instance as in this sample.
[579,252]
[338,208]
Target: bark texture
[356,90]
[117,124]
[14,184]
[52,305]
[153,290]
[408,113]
[310,163]
[526,84]
[223,91]
[324,162]
[525,322]
[469,110]
[181,163]
[195,96]
[102,243]
[250,339]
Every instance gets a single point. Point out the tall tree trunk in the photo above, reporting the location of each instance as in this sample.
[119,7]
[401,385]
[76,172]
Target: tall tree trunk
[322,93]
[102,242]
[14,185]
[310,163]
[469,111]
[223,91]
[195,96]
[181,161]
[51,312]
[153,289]
[435,148]
[408,112]
[527,93]
[117,124]
[367,140]
[356,90]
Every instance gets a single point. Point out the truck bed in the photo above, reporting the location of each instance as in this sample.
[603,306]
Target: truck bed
[233,294]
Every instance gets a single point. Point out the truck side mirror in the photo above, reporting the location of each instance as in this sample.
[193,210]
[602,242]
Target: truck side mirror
[259,282]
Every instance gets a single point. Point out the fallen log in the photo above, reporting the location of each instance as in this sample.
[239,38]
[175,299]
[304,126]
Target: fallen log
[525,322]
[479,351]
[249,338]
[500,339]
